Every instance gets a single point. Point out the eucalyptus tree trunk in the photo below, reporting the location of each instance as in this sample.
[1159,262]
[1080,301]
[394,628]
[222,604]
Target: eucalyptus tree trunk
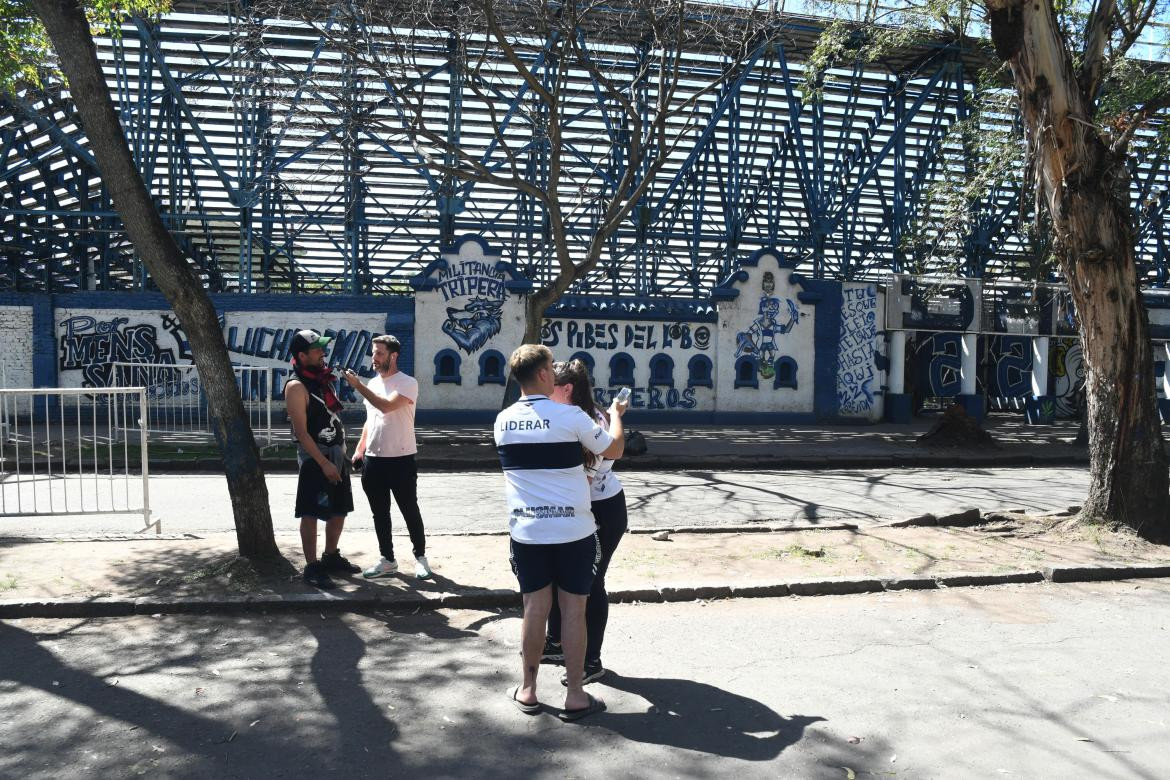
[1085,185]
[535,306]
[68,29]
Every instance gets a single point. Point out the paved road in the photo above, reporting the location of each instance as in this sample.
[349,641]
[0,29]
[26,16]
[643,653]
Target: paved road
[474,501]
[1024,681]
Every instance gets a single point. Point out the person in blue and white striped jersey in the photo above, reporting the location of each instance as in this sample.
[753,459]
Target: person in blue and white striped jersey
[551,524]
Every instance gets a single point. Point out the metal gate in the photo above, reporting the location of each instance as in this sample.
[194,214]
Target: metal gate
[73,451]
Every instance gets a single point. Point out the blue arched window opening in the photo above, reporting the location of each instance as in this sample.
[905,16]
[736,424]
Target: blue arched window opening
[491,368]
[662,370]
[447,362]
[699,371]
[621,370]
[587,359]
[785,373]
[747,372]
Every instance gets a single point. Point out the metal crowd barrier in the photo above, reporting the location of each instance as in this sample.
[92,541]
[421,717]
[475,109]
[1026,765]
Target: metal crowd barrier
[70,451]
[177,406]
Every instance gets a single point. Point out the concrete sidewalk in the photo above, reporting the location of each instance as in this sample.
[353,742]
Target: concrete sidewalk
[193,573]
[470,448]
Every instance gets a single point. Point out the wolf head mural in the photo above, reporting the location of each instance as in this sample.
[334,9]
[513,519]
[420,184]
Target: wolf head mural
[472,326]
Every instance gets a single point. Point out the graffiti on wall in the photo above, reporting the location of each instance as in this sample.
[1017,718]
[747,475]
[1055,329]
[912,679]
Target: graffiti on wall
[1067,376]
[1006,367]
[772,319]
[1010,371]
[649,397]
[938,358]
[92,344]
[473,292]
[639,339]
[608,336]
[269,346]
[349,348]
[856,367]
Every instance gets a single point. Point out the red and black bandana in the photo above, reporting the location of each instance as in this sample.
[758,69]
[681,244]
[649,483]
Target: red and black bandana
[321,377]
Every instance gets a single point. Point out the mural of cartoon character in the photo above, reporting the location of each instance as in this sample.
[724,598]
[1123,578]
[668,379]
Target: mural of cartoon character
[473,325]
[759,339]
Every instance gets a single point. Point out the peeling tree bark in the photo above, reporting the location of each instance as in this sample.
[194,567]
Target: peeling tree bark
[68,29]
[1086,189]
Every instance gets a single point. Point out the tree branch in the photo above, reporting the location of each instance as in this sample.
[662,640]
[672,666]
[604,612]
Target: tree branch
[1097,33]
[1136,119]
[1132,18]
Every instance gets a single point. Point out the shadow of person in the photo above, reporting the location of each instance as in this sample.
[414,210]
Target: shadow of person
[362,726]
[700,717]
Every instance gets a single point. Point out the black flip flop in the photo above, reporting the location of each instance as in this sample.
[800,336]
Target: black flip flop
[595,705]
[527,709]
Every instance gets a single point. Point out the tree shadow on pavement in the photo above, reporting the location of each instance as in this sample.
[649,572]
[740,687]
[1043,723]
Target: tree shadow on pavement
[205,696]
[37,667]
[697,716]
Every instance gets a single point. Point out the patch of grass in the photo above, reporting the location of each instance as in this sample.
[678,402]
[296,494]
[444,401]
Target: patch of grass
[7,582]
[792,551]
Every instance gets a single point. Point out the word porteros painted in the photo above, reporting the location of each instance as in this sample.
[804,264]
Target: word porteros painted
[605,336]
[652,398]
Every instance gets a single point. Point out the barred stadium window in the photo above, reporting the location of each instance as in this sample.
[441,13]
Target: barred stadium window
[621,370]
[699,371]
[785,373]
[587,359]
[746,372]
[662,370]
[491,368]
[447,363]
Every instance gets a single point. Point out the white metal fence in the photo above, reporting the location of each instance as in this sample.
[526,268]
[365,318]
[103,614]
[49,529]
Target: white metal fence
[72,451]
[177,405]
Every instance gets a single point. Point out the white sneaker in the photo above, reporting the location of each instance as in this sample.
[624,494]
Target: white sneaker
[422,569]
[383,568]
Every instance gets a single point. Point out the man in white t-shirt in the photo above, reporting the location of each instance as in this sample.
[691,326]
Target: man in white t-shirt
[553,539]
[385,453]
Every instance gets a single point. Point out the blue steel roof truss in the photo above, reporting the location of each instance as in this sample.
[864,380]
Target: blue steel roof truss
[264,199]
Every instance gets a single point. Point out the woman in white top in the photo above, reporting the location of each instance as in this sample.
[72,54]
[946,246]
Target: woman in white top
[609,510]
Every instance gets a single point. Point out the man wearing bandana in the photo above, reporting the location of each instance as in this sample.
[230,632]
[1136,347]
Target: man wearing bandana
[323,490]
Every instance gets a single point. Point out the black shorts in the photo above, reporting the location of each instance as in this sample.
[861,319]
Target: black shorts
[318,497]
[570,566]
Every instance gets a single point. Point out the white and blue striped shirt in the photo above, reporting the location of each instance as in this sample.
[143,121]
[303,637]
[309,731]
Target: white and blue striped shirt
[539,442]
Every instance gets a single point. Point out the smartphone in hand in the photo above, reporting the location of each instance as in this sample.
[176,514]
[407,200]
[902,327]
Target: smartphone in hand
[623,395]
